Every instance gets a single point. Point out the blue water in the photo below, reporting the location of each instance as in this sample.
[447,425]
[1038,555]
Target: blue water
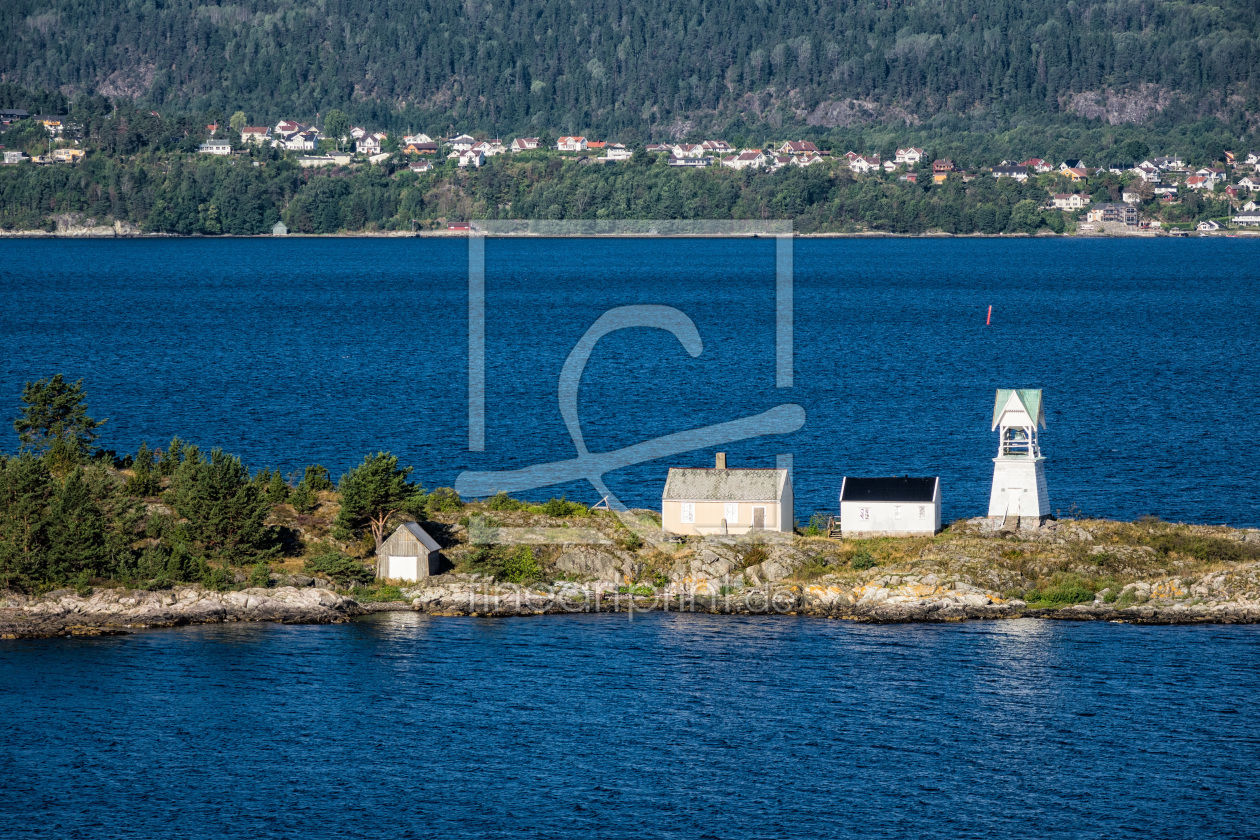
[298,351]
[661,726]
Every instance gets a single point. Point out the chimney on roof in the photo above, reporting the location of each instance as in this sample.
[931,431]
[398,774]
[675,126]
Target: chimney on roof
[721,460]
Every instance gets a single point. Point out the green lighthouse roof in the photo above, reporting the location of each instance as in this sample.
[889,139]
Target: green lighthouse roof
[1030,398]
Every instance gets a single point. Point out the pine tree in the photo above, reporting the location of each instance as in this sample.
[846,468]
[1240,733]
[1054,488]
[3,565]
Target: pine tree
[55,411]
[76,532]
[372,493]
[25,490]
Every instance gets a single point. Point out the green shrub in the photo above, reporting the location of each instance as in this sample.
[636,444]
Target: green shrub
[629,541]
[863,560]
[754,554]
[216,577]
[338,567]
[444,498]
[502,501]
[259,576]
[521,566]
[1204,548]
[384,592]
[561,508]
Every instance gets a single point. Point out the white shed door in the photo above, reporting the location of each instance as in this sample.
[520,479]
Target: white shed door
[403,568]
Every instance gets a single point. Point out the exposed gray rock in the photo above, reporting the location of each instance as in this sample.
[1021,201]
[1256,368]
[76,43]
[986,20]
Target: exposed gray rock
[65,613]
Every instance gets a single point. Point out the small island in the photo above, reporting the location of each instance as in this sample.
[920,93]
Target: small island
[95,542]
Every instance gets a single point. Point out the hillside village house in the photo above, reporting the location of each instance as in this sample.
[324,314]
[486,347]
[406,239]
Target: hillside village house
[864,163]
[303,141]
[1148,172]
[286,127]
[1249,183]
[1075,173]
[420,166]
[1199,182]
[525,144]
[1169,163]
[408,554]
[692,162]
[909,157]
[408,139]
[806,160]
[12,156]
[890,507]
[1125,214]
[415,148]
[717,147]
[1019,173]
[1069,201]
[798,147]
[616,151]
[473,157]
[748,159]
[462,142]
[726,501]
[1037,165]
[890,166]
[257,135]
[370,144]
[215,147]
[68,155]
[571,144]
[10,115]
[1073,163]
[687,150]
[941,169]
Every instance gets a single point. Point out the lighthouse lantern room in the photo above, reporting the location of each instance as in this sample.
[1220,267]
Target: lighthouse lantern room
[1019,496]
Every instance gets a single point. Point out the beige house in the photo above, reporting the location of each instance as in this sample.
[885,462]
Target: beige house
[408,554]
[726,501]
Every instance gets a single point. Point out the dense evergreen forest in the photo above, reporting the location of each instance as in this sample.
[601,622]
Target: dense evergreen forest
[649,66]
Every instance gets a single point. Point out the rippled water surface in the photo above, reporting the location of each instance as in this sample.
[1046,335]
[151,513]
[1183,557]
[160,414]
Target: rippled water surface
[297,351]
[404,725]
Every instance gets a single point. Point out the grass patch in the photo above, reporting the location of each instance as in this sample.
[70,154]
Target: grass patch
[1061,590]
[378,594]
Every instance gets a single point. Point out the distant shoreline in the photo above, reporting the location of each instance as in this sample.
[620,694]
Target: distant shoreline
[450,234]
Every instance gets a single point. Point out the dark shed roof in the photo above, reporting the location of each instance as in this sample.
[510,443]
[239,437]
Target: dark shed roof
[902,489]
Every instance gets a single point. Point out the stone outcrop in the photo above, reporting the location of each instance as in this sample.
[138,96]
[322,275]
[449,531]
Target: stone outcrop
[63,612]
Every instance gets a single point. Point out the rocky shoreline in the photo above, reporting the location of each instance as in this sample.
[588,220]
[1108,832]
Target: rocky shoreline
[885,599]
[1078,570]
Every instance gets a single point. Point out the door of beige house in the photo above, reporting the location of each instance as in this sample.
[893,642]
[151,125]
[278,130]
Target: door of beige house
[759,519]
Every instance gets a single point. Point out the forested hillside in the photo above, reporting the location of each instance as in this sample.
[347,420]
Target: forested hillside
[648,66]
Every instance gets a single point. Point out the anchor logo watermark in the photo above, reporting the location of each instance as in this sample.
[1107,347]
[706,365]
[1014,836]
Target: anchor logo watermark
[592,467]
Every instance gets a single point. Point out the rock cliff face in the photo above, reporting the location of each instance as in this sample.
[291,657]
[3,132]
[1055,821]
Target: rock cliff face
[63,613]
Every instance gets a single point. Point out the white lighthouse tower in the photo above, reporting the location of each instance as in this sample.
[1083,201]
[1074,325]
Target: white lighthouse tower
[1019,495]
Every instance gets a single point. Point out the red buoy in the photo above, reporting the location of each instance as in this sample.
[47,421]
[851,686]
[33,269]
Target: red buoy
[989,320]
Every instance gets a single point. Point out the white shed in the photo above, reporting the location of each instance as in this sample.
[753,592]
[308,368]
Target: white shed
[408,554]
[726,501]
[890,507]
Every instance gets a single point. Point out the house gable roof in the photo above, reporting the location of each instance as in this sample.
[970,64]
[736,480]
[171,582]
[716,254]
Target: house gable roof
[724,485]
[894,489]
[1028,399]
[421,535]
